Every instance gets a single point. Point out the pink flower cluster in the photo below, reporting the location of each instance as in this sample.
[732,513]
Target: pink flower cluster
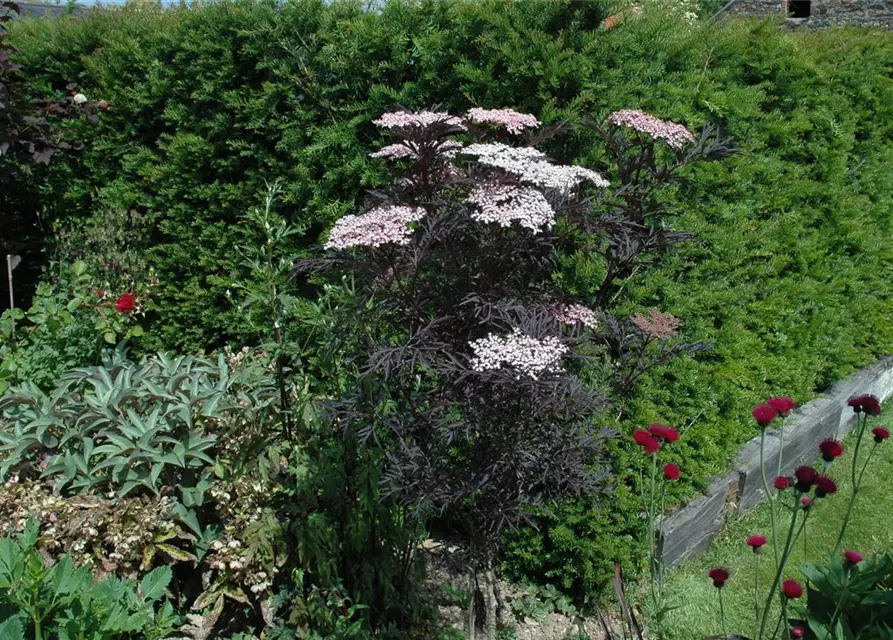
[374,228]
[447,149]
[673,134]
[532,166]
[530,356]
[577,314]
[504,204]
[509,119]
[406,119]
[657,324]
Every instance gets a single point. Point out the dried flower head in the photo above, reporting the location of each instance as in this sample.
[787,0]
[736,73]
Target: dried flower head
[530,356]
[374,228]
[675,135]
[509,119]
[657,325]
[504,204]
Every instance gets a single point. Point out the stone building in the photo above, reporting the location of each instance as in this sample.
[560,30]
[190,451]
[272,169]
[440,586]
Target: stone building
[820,13]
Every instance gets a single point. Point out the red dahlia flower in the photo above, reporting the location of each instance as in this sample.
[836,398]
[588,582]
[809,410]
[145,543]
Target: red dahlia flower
[756,542]
[782,404]
[852,557]
[830,449]
[126,303]
[825,486]
[867,403]
[797,632]
[671,471]
[664,432]
[764,414]
[806,477]
[792,589]
[782,483]
[719,576]
[880,434]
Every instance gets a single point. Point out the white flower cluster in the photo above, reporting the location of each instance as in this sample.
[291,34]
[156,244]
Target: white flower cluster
[675,135]
[532,166]
[531,357]
[509,119]
[504,204]
[403,119]
[577,314]
[394,151]
[79,98]
[374,228]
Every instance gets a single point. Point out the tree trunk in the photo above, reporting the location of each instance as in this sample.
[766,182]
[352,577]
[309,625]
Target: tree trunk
[490,595]
[472,593]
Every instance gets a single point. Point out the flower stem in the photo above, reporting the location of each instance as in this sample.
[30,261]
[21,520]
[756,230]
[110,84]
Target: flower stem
[780,567]
[722,613]
[756,595]
[768,494]
[849,511]
[780,447]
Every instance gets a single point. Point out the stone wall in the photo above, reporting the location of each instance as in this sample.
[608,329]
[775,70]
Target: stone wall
[824,13]
[691,529]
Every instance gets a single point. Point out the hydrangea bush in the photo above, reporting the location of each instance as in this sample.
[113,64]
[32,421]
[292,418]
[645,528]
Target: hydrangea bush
[471,356]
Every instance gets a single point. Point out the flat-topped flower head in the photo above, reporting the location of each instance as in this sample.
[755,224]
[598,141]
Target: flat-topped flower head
[504,204]
[783,404]
[719,575]
[532,166]
[867,403]
[382,225]
[577,314]
[806,478]
[792,589]
[528,355]
[675,135]
[825,486]
[830,450]
[671,471]
[764,414]
[395,151]
[880,434]
[783,482]
[664,432]
[657,325]
[421,119]
[508,119]
[756,543]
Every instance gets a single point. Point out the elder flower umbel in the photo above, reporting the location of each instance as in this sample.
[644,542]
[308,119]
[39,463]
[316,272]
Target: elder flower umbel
[406,119]
[504,204]
[509,119]
[675,135]
[531,356]
[577,314]
[374,228]
[657,325]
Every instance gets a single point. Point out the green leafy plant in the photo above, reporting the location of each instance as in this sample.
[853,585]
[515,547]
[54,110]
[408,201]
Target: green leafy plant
[60,601]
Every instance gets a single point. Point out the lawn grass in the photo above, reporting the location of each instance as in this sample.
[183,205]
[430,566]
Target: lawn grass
[689,588]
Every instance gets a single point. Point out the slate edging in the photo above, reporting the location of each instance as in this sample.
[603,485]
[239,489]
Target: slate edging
[691,529]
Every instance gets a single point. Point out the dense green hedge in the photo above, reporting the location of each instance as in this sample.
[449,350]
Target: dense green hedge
[789,277]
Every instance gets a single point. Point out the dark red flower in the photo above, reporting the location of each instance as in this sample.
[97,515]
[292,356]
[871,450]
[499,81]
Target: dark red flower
[671,471]
[792,589]
[880,434]
[664,432]
[652,445]
[640,436]
[782,483]
[867,403]
[126,303]
[825,486]
[852,557]
[719,576]
[830,449]
[797,631]
[806,501]
[806,477]
[782,404]
[756,542]
[764,414]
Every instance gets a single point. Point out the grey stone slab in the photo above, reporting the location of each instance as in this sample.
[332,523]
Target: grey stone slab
[876,379]
[691,529]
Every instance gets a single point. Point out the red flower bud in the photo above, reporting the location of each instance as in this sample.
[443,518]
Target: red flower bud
[852,557]
[806,501]
[792,589]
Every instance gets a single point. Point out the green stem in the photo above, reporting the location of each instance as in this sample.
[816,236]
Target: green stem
[780,567]
[780,447]
[651,541]
[756,594]
[856,480]
[768,494]
[722,613]
[781,618]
